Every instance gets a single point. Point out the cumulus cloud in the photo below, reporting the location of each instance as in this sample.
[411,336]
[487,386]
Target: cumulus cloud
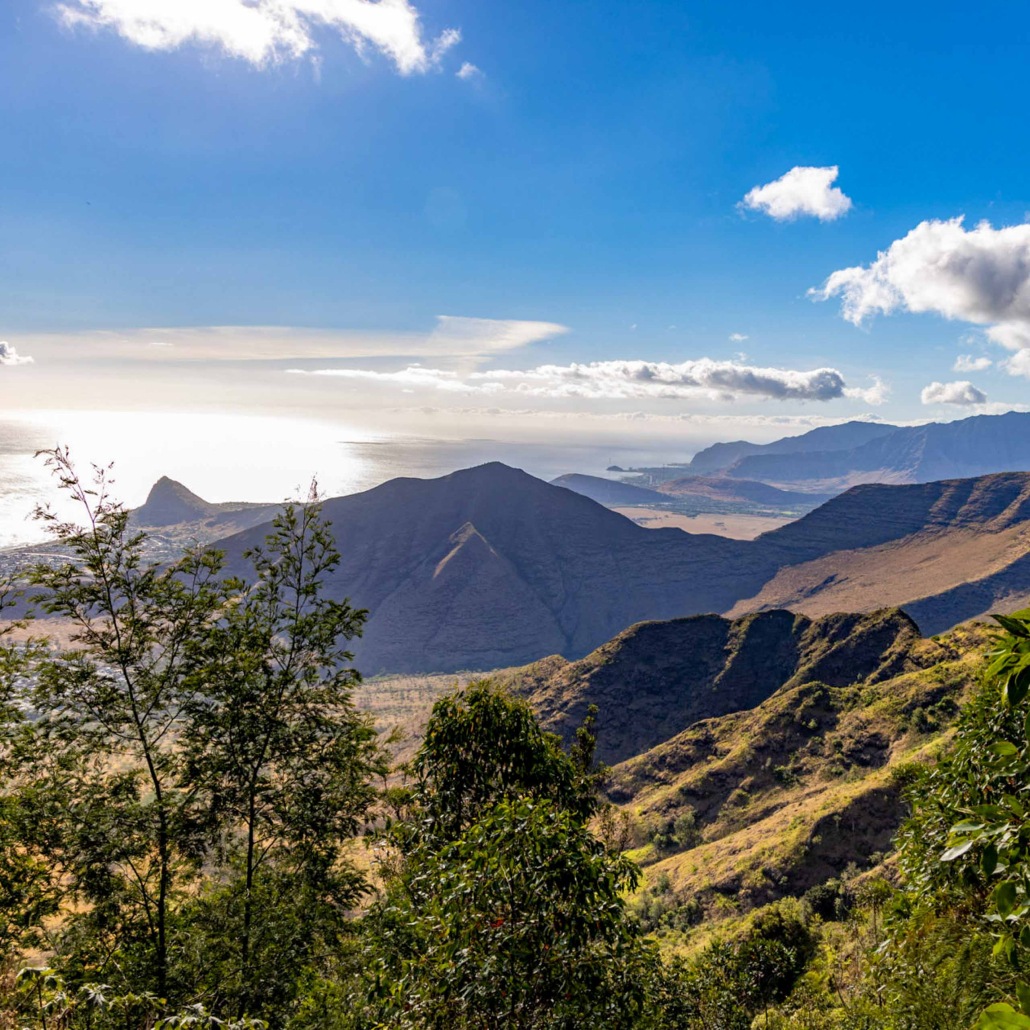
[9,356]
[469,72]
[738,337]
[876,394]
[969,363]
[961,392]
[267,31]
[802,191]
[979,275]
[609,380]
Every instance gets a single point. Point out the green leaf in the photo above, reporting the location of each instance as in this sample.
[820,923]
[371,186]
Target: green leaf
[1017,627]
[1004,897]
[1002,1017]
[989,860]
[1017,686]
[1023,994]
[1004,749]
[957,851]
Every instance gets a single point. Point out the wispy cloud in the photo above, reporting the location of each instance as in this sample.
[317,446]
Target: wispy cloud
[738,337]
[455,338]
[461,336]
[961,392]
[267,31]
[801,191]
[728,423]
[9,356]
[607,380]
[469,72]
[979,275]
[969,363]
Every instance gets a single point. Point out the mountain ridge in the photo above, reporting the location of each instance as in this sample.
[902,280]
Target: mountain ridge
[584,573]
[965,448]
[656,679]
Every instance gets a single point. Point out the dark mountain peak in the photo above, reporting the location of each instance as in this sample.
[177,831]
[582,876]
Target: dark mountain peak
[169,502]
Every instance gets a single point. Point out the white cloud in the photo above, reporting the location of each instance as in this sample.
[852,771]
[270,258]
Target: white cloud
[979,275]
[968,363]
[607,380]
[468,71]
[458,335]
[9,356]
[738,337]
[267,31]
[876,394]
[1019,363]
[455,338]
[961,392]
[410,378]
[802,191]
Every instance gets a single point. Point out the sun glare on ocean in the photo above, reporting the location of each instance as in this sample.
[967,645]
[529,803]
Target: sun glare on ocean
[221,457]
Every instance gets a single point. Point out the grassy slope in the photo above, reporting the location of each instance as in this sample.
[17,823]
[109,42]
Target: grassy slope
[792,792]
[784,795]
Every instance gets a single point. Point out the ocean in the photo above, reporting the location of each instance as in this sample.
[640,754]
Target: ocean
[262,458]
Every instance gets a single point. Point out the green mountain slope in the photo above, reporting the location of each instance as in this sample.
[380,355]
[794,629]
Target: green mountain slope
[798,784]
[657,678]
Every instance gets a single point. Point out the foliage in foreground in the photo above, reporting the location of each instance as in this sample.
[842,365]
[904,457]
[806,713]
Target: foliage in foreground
[182,788]
[179,805]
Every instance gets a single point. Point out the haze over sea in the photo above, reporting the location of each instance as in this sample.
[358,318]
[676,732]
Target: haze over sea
[254,458]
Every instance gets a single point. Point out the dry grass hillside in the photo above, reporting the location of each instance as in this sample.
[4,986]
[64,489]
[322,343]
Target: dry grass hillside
[967,552]
[739,810]
[657,678]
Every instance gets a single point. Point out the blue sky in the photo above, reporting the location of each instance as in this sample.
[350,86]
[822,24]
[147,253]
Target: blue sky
[585,172]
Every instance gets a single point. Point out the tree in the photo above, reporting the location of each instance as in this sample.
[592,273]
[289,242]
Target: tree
[505,909]
[967,845]
[197,768]
[26,887]
[110,712]
[286,761]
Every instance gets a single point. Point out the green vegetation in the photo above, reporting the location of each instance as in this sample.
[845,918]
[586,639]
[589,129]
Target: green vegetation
[199,828]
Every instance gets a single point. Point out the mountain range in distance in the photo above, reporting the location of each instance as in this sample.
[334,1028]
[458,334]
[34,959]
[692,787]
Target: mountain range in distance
[490,567]
[722,490]
[833,458]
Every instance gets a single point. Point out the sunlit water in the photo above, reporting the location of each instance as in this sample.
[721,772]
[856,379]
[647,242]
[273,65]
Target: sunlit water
[254,458]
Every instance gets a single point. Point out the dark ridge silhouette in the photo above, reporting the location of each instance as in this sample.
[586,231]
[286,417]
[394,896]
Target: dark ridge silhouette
[170,505]
[609,492]
[169,502]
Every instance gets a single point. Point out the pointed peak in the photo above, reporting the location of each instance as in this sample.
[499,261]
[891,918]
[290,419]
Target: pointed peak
[169,502]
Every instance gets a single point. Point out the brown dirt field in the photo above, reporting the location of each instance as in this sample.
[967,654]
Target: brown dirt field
[738,527]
